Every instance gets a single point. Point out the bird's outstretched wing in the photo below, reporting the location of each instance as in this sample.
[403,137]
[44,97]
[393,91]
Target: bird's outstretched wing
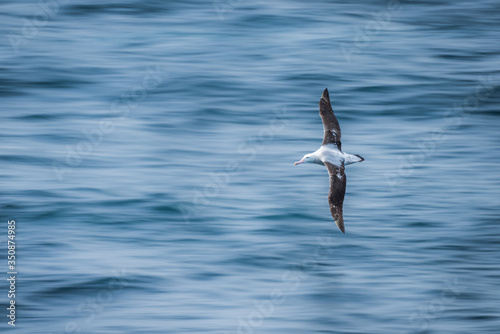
[330,122]
[337,193]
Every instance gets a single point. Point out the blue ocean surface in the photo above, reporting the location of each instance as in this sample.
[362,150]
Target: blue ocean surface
[147,153]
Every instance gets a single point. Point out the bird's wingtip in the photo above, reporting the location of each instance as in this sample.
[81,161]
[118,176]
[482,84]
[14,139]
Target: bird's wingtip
[325,95]
[340,225]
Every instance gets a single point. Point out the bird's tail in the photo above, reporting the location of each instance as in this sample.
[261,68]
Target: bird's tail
[360,158]
[353,158]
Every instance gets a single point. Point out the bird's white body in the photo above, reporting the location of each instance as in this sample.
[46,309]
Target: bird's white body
[330,153]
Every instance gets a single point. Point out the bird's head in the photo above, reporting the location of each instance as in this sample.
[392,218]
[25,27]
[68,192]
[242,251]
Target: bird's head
[307,158]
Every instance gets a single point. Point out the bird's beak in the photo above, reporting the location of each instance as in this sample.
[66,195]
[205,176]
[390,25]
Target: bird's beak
[298,162]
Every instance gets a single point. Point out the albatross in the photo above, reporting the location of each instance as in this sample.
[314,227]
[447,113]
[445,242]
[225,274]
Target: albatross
[330,155]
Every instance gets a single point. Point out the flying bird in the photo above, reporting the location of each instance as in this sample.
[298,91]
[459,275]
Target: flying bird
[330,155]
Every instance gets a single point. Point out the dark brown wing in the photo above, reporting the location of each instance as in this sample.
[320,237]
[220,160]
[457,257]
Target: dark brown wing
[330,122]
[337,192]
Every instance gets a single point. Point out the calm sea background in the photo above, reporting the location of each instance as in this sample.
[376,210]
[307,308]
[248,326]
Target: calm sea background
[147,153]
